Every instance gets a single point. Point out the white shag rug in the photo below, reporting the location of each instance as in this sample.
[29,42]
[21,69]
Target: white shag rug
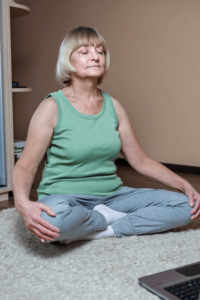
[104,269]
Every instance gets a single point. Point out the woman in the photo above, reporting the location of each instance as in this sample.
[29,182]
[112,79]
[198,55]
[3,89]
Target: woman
[83,129]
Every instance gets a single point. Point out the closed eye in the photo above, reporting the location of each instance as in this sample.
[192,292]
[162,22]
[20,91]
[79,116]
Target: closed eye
[87,52]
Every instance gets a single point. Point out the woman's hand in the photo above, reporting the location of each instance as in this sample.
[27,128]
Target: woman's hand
[31,214]
[193,195]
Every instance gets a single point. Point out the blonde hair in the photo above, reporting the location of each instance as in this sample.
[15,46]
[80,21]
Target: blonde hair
[79,36]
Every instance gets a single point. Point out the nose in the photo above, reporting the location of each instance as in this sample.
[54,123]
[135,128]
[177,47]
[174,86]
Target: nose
[94,55]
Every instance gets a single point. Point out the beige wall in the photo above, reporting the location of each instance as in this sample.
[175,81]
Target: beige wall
[154,72]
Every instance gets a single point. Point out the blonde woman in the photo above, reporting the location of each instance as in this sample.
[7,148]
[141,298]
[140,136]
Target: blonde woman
[83,129]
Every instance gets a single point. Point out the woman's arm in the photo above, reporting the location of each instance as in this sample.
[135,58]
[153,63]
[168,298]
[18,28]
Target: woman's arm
[38,140]
[147,166]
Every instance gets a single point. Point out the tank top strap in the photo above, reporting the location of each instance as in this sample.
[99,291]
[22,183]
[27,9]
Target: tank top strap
[111,105]
[58,100]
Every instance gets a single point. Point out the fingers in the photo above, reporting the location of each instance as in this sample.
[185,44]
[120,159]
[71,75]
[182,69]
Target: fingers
[191,199]
[41,236]
[195,217]
[41,232]
[47,232]
[31,214]
[196,210]
[48,225]
[47,209]
[45,223]
[193,211]
[42,228]
[196,205]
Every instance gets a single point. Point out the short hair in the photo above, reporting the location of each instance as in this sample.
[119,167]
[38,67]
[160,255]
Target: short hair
[77,37]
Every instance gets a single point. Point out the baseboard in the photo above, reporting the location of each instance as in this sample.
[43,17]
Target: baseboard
[172,167]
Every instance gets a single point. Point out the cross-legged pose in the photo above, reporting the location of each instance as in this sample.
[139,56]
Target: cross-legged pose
[82,129]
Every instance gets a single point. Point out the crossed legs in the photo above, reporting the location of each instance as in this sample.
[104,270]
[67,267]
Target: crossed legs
[110,216]
[129,211]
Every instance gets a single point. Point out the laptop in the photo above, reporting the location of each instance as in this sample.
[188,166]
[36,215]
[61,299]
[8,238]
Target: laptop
[175,284]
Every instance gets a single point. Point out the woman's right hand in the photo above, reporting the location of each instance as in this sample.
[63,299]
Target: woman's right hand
[31,214]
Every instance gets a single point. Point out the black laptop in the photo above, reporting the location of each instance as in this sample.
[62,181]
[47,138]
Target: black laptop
[174,284]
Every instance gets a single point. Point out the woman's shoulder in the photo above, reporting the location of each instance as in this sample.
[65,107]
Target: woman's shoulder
[120,111]
[48,110]
[51,100]
[115,101]
[117,105]
[49,103]
[54,95]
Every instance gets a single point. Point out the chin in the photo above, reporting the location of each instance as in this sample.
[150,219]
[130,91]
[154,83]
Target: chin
[96,73]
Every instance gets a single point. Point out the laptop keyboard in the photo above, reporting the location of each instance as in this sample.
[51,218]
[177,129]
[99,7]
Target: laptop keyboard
[188,290]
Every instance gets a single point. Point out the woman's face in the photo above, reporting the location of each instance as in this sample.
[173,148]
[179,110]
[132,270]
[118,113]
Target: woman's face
[89,61]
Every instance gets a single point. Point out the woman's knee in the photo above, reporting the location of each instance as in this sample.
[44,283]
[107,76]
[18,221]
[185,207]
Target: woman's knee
[185,208]
[61,220]
[181,203]
[177,199]
[60,207]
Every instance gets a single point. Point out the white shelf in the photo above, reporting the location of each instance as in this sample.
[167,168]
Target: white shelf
[9,9]
[14,90]
[18,10]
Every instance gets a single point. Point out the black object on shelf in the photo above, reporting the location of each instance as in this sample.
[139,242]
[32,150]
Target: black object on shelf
[15,84]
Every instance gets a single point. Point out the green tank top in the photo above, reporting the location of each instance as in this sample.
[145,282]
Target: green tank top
[81,157]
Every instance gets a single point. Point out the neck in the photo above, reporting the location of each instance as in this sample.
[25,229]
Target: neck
[84,88]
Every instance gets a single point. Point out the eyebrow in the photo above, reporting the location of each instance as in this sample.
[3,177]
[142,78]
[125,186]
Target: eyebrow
[87,45]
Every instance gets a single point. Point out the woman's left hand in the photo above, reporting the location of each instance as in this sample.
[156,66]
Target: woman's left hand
[193,196]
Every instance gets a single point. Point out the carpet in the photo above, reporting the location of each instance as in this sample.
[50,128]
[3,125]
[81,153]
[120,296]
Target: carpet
[104,269]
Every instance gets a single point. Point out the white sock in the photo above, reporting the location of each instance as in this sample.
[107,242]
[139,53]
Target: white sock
[108,233]
[110,214]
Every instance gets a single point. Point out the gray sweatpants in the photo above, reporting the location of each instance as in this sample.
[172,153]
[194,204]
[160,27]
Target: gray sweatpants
[148,211]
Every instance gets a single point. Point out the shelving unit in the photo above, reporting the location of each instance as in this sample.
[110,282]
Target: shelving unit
[9,9]
[14,90]
[18,10]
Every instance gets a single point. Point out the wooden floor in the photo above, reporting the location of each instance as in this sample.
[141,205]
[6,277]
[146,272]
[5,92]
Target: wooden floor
[129,177]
